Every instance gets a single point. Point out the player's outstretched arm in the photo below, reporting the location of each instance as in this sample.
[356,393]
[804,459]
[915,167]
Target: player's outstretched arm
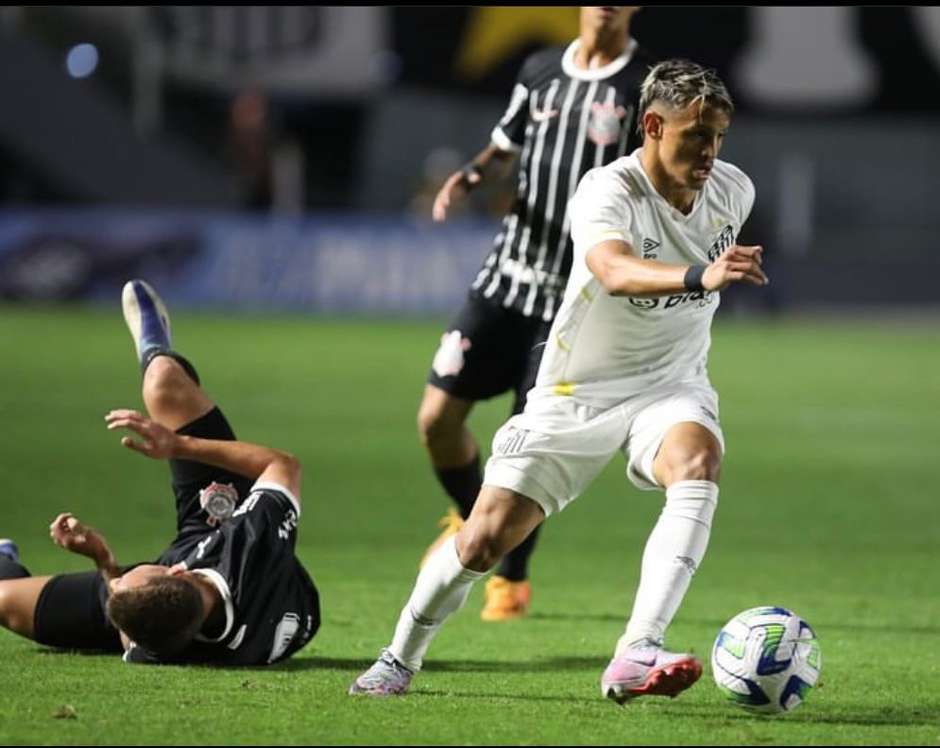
[69,533]
[459,184]
[622,273]
[251,460]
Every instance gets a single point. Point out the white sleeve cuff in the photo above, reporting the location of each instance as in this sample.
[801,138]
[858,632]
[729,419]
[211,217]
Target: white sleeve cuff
[502,141]
[267,485]
[606,235]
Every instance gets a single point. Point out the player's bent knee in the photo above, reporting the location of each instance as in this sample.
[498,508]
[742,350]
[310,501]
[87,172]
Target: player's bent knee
[689,452]
[436,425]
[693,464]
[478,550]
[704,464]
[164,371]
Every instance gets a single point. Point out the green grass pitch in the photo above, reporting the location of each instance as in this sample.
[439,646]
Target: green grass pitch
[829,506]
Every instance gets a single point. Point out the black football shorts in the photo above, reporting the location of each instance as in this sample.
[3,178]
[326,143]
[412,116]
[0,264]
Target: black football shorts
[488,350]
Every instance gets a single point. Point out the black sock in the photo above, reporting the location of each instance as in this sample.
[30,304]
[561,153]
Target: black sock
[515,564]
[10,569]
[151,353]
[462,484]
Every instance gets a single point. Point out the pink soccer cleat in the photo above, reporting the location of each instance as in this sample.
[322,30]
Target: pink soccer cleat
[649,671]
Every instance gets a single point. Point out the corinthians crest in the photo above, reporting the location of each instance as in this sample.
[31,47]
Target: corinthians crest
[605,123]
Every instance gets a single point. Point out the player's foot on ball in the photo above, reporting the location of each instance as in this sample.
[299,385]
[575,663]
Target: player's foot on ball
[506,600]
[451,524]
[648,671]
[387,677]
[8,548]
[146,317]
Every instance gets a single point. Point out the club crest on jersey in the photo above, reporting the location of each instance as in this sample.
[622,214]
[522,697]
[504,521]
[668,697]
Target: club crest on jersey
[604,125]
[724,241]
[449,359]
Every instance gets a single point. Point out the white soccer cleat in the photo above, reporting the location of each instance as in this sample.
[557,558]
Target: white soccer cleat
[146,316]
[387,677]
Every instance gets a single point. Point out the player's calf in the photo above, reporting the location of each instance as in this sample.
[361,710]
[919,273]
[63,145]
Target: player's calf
[170,392]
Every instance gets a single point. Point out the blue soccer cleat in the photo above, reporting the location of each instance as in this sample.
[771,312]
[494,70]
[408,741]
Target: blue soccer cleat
[8,548]
[146,317]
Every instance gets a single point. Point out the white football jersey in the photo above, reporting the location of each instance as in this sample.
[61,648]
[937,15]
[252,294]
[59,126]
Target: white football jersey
[604,349]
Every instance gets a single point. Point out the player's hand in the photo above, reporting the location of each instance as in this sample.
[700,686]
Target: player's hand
[738,264]
[156,441]
[455,188]
[66,531]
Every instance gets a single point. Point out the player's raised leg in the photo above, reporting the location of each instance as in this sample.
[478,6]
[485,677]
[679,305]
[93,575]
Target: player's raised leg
[174,398]
[171,388]
[687,465]
[500,520]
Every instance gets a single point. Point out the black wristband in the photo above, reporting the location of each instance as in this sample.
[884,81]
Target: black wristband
[469,169]
[693,277]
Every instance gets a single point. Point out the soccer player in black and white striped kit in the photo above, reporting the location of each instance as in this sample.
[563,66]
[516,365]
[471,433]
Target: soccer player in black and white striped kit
[572,109]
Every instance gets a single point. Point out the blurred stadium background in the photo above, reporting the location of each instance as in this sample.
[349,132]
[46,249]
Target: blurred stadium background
[286,157]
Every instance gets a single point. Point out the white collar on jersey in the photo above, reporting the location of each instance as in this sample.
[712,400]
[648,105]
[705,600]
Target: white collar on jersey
[596,74]
[222,586]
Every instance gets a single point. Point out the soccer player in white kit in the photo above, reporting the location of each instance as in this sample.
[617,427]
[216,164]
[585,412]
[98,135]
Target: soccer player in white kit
[624,370]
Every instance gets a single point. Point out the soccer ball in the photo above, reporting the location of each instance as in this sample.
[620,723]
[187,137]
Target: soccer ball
[766,660]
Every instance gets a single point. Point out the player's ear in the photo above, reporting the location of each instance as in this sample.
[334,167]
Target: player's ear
[176,570]
[653,124]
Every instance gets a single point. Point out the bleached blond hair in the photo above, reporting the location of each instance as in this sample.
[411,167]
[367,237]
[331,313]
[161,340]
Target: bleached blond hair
[679,83]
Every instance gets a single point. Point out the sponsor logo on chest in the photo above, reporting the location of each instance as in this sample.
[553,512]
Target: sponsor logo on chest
[701,299]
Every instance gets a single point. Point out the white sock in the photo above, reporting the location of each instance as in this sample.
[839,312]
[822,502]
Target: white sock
[673,553]
[442,588]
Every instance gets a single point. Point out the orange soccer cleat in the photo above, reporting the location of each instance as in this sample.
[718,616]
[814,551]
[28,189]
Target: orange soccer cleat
[451,524]
[506,600]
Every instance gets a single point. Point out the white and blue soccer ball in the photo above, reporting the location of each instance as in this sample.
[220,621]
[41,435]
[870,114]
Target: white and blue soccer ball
[766,660]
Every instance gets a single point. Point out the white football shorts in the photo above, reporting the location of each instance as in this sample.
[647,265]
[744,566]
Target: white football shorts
[551,451]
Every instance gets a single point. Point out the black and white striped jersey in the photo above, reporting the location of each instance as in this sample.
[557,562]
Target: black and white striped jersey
[564,121]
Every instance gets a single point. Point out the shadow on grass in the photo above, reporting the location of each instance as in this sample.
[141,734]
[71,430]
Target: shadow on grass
[536,665]
[888,717]
[560,699]
[603,617]
[357,664]
[51,651]
[859,716]
[292,664]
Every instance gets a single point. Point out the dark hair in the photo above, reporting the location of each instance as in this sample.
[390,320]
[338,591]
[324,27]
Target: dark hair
[161,616]
[680,82]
